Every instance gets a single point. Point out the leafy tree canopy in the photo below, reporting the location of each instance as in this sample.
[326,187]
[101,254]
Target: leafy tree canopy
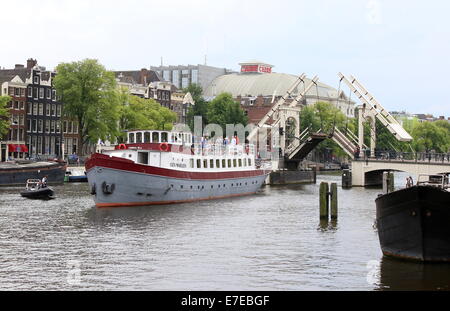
[144,114]
[224,110]
[200,108]
[89,94]
[4,115]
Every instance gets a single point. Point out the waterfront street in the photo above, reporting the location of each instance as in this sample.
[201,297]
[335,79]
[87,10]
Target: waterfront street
[269,241]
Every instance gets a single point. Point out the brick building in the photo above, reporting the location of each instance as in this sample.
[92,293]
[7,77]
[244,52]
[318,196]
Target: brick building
[37,128]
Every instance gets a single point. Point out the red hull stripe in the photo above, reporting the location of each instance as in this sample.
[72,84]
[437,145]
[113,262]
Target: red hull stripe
[170,202]
[102,160]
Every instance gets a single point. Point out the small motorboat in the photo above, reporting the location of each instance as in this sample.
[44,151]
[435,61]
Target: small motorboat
[35,190]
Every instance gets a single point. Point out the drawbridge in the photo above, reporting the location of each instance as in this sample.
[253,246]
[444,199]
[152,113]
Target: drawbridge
[295,146]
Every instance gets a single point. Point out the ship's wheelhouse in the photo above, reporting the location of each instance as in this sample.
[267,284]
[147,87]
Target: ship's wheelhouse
[150,136]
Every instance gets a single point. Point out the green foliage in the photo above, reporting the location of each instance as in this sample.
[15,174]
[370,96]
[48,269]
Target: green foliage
[224,110]
[429,136]
[143,114]
[4,115]
[89,94]
[324,116]
[200,108]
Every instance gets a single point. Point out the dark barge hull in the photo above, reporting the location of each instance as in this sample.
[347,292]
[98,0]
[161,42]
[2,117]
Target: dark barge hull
[414,223]
[18,174]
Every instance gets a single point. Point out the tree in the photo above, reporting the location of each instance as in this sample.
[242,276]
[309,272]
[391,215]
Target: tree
[143,114]
[223,110]
[325,116]
[429,136]
[4,115]
[200,108]
[88,92]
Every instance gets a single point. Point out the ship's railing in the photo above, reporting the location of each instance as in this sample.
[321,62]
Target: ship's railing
[223,150]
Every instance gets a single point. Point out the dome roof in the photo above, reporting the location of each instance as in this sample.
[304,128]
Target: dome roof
[266,84]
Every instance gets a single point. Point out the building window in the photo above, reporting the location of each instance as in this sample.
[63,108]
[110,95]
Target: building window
[34,125]
[49,93]
[47,126]
[29,108]
[39,144]
[58,126]
[52,126]
[58,110]
[65,127]
[41,109]
[28,125]
[40,125]
[35,91]
[30,91]
[53,94]
[41,92]
[36,79]
[53,111]
[47,109]
[35,109]
[70,131]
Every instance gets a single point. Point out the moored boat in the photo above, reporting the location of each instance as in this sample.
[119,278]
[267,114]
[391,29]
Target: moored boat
[34,189]
[414,222]
[76,174]
[159,167]
[17,174]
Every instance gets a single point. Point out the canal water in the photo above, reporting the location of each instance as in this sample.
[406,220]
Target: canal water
[269,241]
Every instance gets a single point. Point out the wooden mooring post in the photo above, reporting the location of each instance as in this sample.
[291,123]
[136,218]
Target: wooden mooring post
[323,200]
[328,200]
[388,182]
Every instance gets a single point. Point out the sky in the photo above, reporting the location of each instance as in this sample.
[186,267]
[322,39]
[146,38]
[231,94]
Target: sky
[399,50]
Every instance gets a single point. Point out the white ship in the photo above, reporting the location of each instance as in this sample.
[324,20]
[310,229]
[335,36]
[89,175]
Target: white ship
[160,167]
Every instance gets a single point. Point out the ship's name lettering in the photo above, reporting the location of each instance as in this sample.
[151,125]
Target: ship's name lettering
[182,165]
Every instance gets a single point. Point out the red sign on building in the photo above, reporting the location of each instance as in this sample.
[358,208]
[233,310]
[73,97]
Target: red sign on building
[257,67]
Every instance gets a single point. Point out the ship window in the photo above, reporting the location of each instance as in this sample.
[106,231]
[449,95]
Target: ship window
[240,162]
[211,163]
[138,137]
[229,162]
[164,137]
[223,163]
[199,163]
[205,163]
[245,161]
[212,186]
[217,163]
[249,162]
[146,137]
[131,138]
[181,186]
[192,163]
[142,157]
[234,162]
[155,137]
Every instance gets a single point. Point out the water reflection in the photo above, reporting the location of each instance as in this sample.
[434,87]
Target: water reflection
[406,275]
